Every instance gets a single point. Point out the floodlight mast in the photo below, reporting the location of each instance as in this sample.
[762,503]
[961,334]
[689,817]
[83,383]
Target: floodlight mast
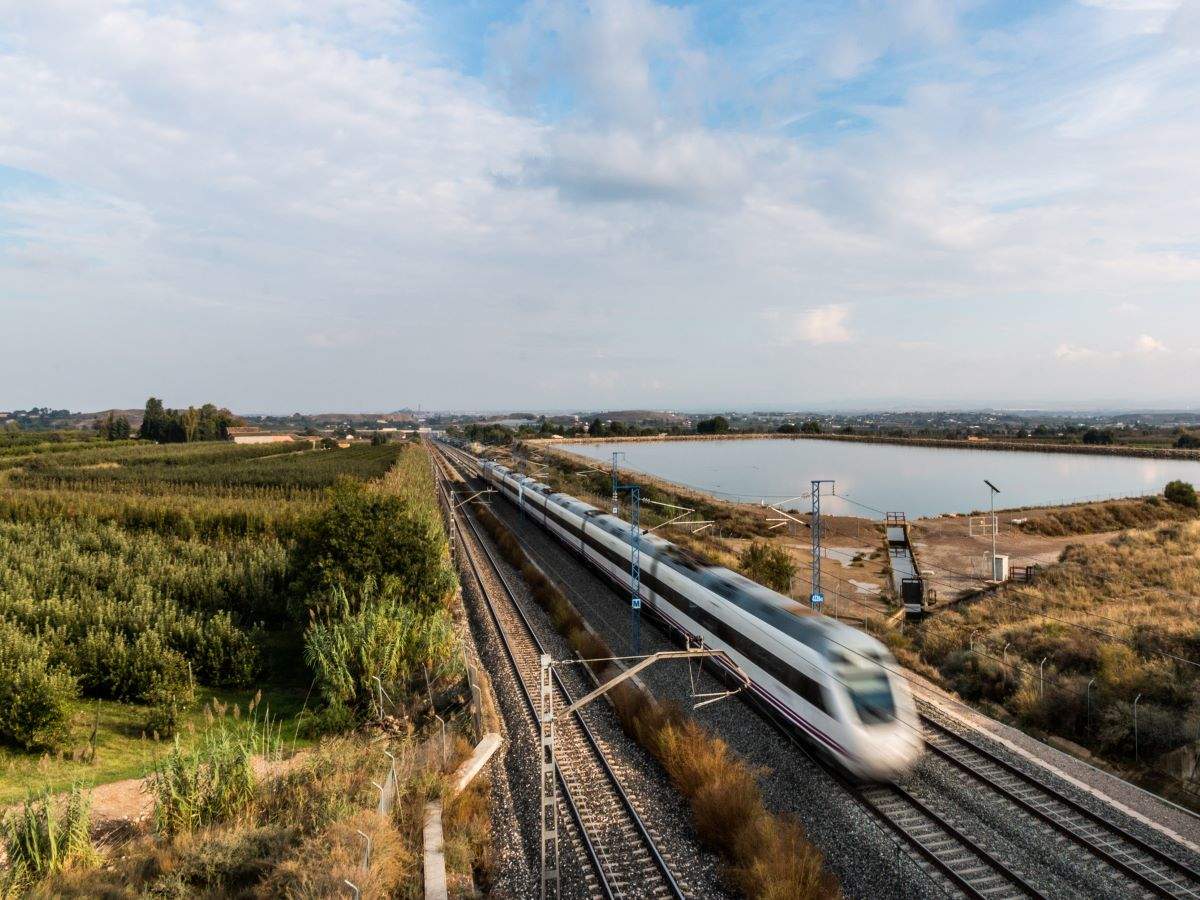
[817,599]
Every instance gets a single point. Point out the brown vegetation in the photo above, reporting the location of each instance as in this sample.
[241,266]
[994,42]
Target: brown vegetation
[1095,518]
[299,839]
[1121,613]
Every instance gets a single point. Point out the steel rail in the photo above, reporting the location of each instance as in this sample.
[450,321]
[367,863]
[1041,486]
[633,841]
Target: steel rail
[1089,836]
[606,767]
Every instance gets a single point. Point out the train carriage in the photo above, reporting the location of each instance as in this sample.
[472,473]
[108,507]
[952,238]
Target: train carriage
[833,683]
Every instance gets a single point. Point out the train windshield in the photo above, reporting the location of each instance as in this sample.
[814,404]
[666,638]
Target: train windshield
[872,698]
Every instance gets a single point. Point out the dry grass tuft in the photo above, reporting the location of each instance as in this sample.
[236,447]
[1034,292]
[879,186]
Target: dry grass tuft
[1095,518]
[324,861]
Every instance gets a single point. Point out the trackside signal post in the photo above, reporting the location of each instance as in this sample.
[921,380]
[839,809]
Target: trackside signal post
[817,599]
[635,550]
[547,718]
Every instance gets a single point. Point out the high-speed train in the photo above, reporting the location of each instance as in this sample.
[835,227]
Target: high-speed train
[833,683]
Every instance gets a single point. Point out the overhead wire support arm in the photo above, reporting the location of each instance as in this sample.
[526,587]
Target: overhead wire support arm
[644,662]
[678,520]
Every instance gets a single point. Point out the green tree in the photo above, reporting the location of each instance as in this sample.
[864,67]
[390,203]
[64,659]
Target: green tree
[787,428]
[379,438]
[363,534]
[1094,436]
[768,565]
[1182,494]
[715,425]
[154,421]
[1187,442]
[812,426]
[596,429]
[114,427]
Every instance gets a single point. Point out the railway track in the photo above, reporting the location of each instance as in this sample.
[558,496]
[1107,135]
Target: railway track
[1150,870]
[941,844]
[944,845]
[624,856]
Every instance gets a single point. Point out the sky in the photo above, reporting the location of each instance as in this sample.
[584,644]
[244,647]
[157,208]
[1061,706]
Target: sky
[283,205]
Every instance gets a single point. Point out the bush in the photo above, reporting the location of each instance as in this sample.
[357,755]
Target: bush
[769,565]
[35,699]
[214,782]
[1182,494]
[44,837]
[978,677]
[715,425]
[367,534]
[168,700]
[376,635]
[1187,442]
[1094,436]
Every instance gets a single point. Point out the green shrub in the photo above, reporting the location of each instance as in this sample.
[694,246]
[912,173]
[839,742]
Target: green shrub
[368,534]
[35,698]
[168,700]
[1182,494]
[768,565]
[378,634]
[213,782]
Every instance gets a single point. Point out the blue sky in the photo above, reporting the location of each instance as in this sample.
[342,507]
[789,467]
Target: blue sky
[324,204]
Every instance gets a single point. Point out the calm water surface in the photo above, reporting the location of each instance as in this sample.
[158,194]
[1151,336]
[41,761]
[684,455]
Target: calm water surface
[919,481]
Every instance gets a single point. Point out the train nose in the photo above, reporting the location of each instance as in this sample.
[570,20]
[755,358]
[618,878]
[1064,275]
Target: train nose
[892,758]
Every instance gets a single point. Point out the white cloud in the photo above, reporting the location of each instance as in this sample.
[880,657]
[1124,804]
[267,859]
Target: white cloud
[692,167]
[265,178]
[1147,344]
[1072,353]
[820,325]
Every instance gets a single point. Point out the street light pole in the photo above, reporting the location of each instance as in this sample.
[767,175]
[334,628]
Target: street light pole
[992,498]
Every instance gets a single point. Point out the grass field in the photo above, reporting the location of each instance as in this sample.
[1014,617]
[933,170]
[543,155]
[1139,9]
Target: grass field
[144,581]
[189,615]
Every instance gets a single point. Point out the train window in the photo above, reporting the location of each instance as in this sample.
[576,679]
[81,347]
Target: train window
[872,698]
[809,689]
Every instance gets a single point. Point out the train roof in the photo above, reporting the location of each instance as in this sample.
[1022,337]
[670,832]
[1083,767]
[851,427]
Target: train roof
[767,606]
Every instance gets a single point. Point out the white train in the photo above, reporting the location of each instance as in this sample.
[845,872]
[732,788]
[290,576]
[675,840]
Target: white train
[828,680]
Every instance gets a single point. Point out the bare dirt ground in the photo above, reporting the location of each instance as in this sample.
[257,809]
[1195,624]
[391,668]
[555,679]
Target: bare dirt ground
[954,561]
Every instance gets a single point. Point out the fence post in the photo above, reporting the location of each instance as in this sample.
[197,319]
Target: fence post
[1004,652]
[366,859]
[1042,677]
[353,887]
[1136,755]
[1089,705]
